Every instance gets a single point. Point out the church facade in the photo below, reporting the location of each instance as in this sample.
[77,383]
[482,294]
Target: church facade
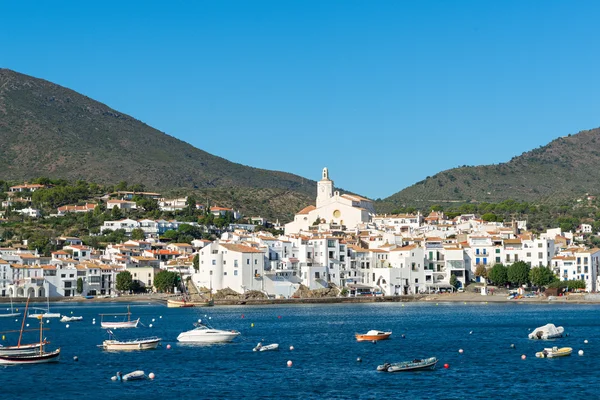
[332,208]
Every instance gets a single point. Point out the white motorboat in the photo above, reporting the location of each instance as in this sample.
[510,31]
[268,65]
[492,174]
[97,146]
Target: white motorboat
[205,334]
[128,323]
[548,331]
[268,347]
[70,319]
[113,343]
[132,376]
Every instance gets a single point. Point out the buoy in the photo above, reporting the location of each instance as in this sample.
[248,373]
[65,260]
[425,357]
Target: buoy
[359,359]
[150,325]
[512,346]
[113,378]
[403,336]
[252,325]
[71,312]
[151,375]
[291,348]
[168,347]
[66,326]
[289,363]
[402,304]
[585,341]
[460,351]
[27,325]
[3,337]
[16,320]
[47,321]
[93,322]
[242,315]
[436,304]
[523,357]
[374,341]
[470,333]
[580,352]
[199,321]
[160,316]
[465,302]
[75,358]
[153,320]
[446,366]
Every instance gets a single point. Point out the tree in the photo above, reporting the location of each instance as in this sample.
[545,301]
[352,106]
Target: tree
[165,281]
[489,217]
[518,273]
[124,281]
[498,275]
[481,271]
[116,213]
[541,276]
[196,262]
[138,234]
[454,281]
[79,285]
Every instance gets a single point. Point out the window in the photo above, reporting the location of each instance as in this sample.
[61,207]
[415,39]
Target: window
[235,273]
[235,263]
[529,255]
[497,251]
[214,262]
[477,261]
[485,261]
[540,245]
[498,259]
[255,262]
[540,255]
[224,273]
[247,261]
[330,243]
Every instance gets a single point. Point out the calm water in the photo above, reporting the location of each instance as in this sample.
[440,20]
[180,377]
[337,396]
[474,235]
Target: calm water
[325,354]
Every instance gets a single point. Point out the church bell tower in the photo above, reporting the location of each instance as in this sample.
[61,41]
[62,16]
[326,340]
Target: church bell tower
[324,189]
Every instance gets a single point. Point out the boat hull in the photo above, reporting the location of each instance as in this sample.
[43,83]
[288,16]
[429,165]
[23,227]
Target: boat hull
[115,345]
[554,353]
[183,303]
[21,350]
[366,337]
[193,337]
[49,357]
[10,315]
[44,315]
[120,325]
[406,366]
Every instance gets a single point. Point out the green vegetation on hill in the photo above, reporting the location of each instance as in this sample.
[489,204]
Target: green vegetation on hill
[48,130]
[564,168]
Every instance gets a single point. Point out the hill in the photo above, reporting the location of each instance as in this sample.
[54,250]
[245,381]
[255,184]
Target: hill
[49,130]
[565,168]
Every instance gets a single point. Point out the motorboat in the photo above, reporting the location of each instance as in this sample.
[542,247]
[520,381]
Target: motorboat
[132,376]
[205,334]
[128,323]
[372,335]
[414,365]
[548,331]
[113,343]
[268,347]
[553,352]
[70,319]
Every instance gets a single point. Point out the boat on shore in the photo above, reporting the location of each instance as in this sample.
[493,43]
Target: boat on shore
[372,335]
[405,366]
[128,323]
[115,344]
[554,352]
[548,331]
[206,334]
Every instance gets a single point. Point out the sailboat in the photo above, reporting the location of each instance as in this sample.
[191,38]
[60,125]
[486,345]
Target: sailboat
[186,301]
[29,353]
[12,312]
[44,312]
[119,324]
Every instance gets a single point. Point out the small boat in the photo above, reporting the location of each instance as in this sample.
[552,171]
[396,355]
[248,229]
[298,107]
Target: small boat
[113,343]
[553,352]
[205,334]
[70,319]
[372,335]
[88,297]
[132,376]
[548,331]
[12,312]
[179,303]
[43,312]
[414,365]
[33,356]
[268,347]
[119,324]
[21,349]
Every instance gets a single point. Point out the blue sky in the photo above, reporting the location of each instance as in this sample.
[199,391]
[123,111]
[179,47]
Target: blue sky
[384,93]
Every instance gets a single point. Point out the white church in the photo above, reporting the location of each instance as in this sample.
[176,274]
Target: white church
[332,208]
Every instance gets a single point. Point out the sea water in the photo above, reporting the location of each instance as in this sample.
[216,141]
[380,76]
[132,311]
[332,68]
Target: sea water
[324,359]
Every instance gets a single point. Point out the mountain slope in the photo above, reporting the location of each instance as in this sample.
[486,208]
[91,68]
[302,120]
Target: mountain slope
[564,168]
[48,130]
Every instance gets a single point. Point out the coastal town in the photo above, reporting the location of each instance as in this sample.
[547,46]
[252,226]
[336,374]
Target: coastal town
[340,244]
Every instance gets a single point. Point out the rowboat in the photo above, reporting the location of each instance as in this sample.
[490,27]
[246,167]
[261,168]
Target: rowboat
[405,366]
[119,324]
[372,335]
[113,343]
[553,352]
[268,347]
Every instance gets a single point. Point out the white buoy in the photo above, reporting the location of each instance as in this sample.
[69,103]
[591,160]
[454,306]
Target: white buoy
[113,378]
[150,325]
[153,320]
[47,321]
[27,325]
[199,321]
[93,322]
[523,357]
[585,341]
[470,333]
[66,326]
[291,348]
[160,316]
[580,352]
[151,375]
[460,351]
[289,363]
[16,320]
[168,347]
[359,359]
[75,358]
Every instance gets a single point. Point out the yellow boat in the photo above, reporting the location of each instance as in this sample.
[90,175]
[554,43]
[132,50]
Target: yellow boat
[553,352]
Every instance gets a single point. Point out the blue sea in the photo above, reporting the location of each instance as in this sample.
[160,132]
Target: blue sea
[325,353]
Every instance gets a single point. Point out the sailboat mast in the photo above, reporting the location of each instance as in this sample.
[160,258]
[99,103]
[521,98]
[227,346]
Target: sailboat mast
[41,329]
[23,323]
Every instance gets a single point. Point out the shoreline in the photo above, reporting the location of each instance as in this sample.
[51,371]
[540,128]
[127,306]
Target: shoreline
[425,298]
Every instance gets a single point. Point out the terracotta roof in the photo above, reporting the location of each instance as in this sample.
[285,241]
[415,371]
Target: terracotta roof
[306,210]
[240,248]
